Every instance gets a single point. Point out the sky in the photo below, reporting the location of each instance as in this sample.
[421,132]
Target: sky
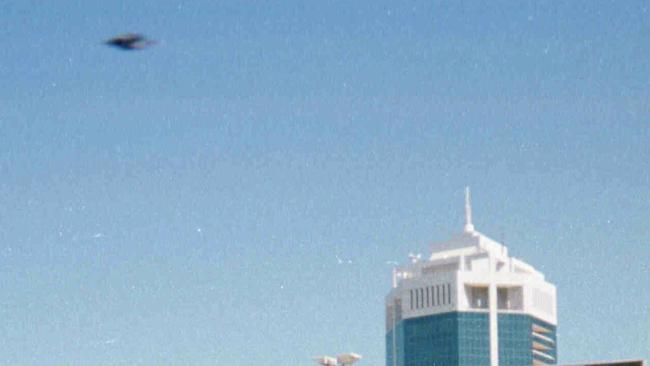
[233,194]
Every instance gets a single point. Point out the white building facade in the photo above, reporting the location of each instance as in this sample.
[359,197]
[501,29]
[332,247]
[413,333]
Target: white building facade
[470,304]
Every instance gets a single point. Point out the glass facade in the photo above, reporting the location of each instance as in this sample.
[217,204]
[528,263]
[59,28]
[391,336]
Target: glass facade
[544,335]
[463,339]
[517,340]
[515,345]
[473,339]
[449,339]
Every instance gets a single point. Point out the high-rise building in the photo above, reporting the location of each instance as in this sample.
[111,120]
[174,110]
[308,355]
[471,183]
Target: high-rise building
[470,304]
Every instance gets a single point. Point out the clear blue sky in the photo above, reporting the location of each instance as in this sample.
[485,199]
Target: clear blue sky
[186,205]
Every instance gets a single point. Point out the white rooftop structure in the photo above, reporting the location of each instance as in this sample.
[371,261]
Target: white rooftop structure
[343,359]
[326,360]
[348,358]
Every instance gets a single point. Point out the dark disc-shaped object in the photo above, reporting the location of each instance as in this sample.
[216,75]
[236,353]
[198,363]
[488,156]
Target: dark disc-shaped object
[130,42]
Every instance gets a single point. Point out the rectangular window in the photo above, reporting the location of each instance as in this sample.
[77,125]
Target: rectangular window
[417,298]
[433,296]
[428,304]
[448,293]
[411,302]
[478,296]
[437,295]
[443,295]
[421,297]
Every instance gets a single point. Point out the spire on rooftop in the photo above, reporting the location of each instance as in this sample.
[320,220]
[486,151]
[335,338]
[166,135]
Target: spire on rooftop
[469,227]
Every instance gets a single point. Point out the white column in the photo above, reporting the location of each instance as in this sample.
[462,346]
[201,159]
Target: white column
[494,326]
[468,213]
[394,332]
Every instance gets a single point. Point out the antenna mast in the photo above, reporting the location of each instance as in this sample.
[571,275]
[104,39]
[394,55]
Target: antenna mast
[469,227]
